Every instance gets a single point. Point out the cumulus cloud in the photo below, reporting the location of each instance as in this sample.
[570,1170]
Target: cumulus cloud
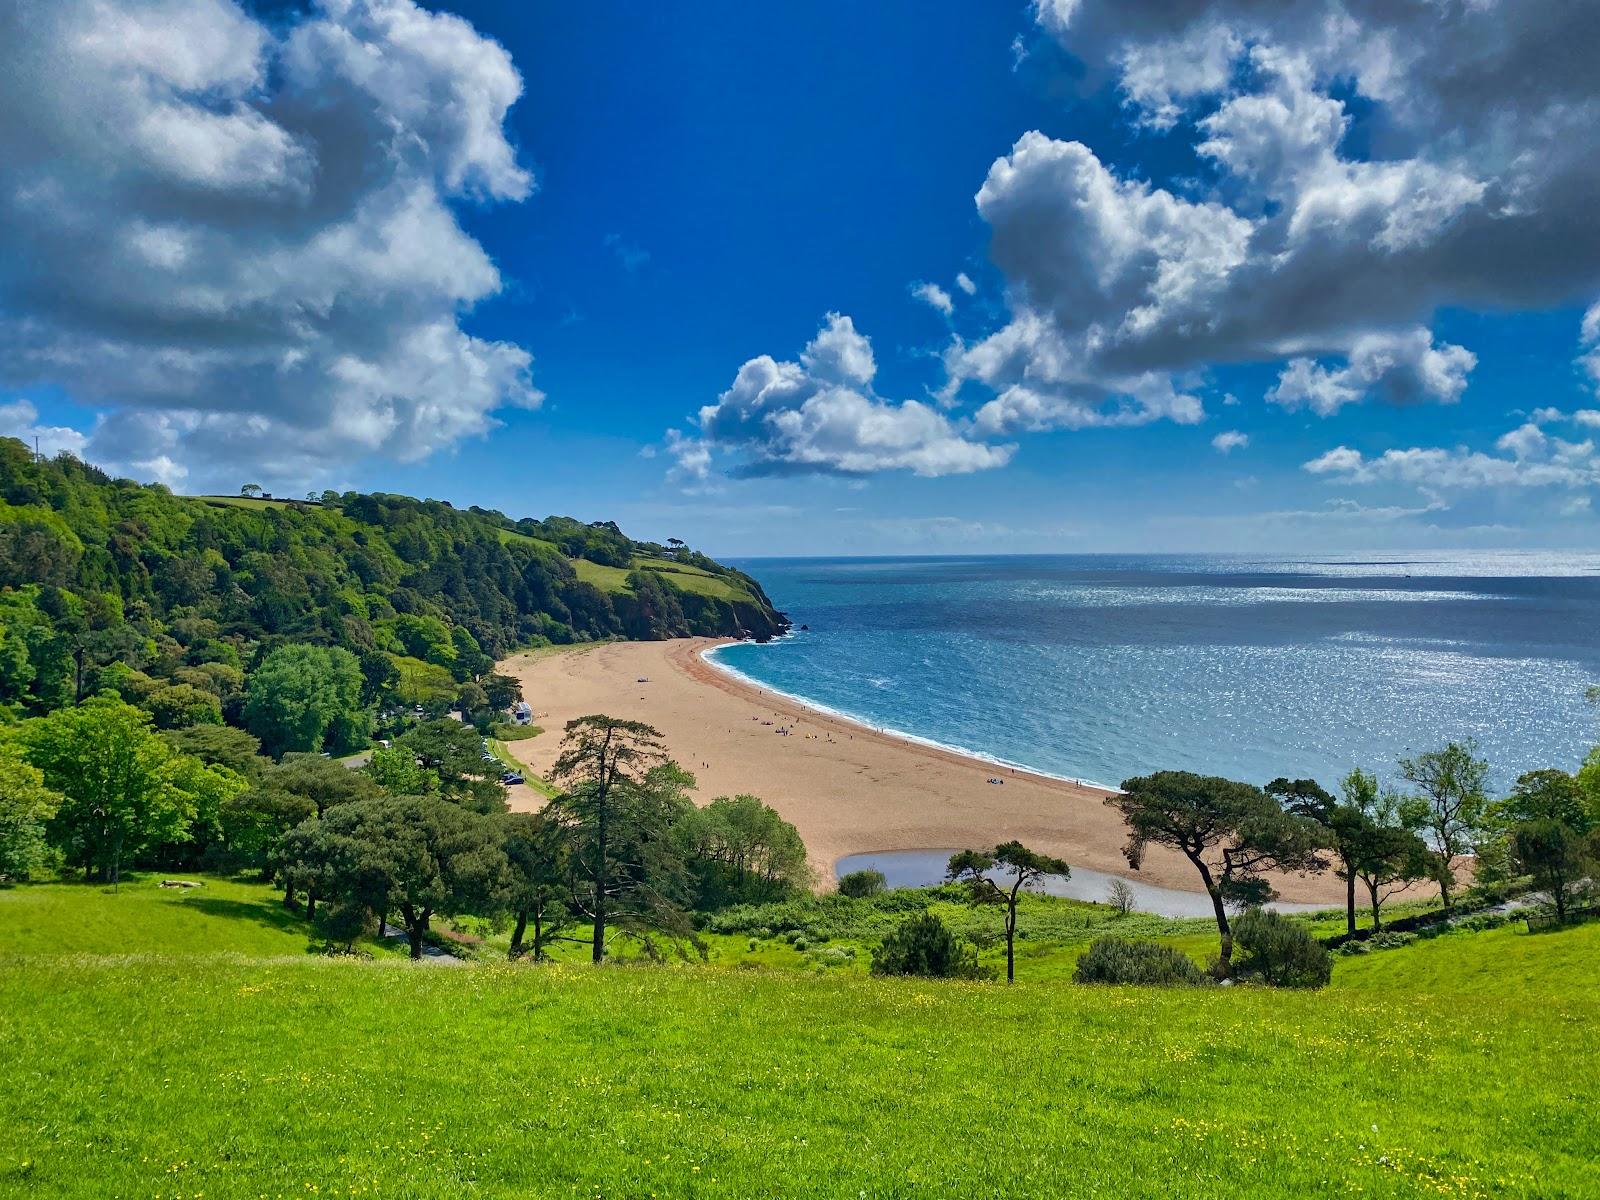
[1401,367]
[1230,440]
[1472,186]
[238,238]
[820,414]
[934,297]
[20,419]
[1527,458]
[964,282]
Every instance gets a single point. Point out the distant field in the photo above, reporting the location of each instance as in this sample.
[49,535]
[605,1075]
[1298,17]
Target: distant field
[1458,1067]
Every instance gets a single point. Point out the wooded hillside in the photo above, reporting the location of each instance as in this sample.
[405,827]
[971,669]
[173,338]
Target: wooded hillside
[96,571]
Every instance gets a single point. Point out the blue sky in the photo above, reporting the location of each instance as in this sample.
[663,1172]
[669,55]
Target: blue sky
[673,196]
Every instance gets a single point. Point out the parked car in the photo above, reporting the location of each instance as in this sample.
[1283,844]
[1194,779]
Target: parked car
[511,777]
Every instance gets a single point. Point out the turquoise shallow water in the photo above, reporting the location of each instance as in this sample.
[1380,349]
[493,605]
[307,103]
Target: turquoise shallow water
[1100,667]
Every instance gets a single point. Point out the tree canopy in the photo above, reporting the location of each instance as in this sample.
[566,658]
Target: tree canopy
[1232,833]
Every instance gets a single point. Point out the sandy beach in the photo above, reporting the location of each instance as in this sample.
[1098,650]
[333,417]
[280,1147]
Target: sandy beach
[849,789]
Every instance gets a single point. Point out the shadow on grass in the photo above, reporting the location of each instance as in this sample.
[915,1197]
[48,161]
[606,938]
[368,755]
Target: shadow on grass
[263,912]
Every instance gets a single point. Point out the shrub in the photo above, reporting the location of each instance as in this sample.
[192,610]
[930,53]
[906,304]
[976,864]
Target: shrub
[801,944]
[1120,896]
[1280,951]
[924,945]
[1118,960]
[860,884]
[1387,940]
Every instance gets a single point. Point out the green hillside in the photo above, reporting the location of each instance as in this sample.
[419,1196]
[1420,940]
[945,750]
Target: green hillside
[96,572]
[147,1068]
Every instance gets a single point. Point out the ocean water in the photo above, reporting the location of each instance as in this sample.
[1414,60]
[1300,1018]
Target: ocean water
[1100,667]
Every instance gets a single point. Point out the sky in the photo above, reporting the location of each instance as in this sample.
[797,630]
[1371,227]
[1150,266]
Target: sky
[902,277]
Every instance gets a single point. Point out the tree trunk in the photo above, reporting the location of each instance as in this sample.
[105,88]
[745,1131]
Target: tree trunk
[1011,957]
[288,892]
[538,933]
[516,934]
[1377,904]
[599,951]
[1224,930]
[311,904]
[1559,894]
[416,926]
[1444,883]
[1349,901]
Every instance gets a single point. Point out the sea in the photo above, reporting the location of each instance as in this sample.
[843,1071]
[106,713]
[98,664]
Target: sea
[1100,667]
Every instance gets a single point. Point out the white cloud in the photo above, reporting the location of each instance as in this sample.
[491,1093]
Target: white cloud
[934,297]
[820,414]
[1589,337]
[20,419]
[1528,459]
[1300,251]
[238,237]
[1402,367]
[964,282]
[1230,440]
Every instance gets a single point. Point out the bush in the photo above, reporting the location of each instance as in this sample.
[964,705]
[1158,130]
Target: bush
[860,884]
[1280,951]
[924,945]
[1117,960]
[1387,940]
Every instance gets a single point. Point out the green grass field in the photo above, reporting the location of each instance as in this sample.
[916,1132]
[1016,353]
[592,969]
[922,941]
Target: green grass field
[199,1051]
[689,578]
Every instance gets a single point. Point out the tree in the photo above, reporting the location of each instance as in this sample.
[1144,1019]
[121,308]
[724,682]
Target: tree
[250,489]
[220,746]
[180,705]
[116,778]
[301,786]
[502,691]
[1307,798]
[860,885]
[419,857]
[303,697]
[923,945]
[1384,853]
[397,771]
[742,851]
[1026,869]
[26,807]
[622,798]
[1545,795]
[1120,896]
[1556,855]
[1451,804]
[1232,833]
[539,856]
[452,753]
[1547,826]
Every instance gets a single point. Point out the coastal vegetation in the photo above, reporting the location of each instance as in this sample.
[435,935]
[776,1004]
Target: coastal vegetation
[202,610]
[177,676]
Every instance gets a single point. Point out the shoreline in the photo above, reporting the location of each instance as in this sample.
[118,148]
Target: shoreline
[824,710]
[849,787]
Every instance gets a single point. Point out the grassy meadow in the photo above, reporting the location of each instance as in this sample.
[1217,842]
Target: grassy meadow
[187,1044]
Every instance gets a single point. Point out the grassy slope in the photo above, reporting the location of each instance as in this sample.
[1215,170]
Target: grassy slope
[689,578]
[140,917]
[180,1074]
